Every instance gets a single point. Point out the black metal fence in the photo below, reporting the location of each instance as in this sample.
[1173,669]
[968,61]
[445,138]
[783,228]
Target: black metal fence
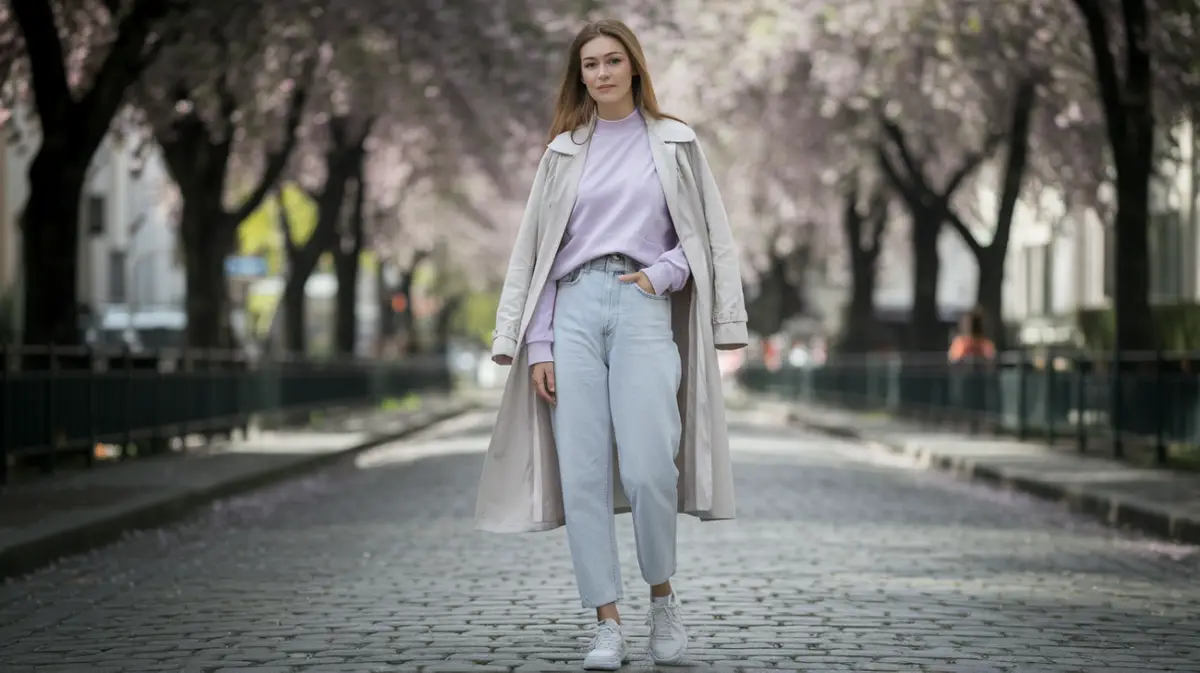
[66,402]
[1144,401]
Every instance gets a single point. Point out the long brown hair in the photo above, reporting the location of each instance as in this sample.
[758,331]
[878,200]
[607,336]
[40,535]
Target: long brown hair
[574,106]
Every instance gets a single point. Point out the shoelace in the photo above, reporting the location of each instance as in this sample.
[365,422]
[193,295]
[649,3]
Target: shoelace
[669,614]
[606,637]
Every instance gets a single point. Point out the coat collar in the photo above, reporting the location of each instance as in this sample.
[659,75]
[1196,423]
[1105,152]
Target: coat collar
[667,130]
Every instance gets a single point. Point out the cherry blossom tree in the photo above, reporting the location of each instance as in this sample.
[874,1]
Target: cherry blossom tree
[234,89]
[1144,58]
[72,62]
[440,91]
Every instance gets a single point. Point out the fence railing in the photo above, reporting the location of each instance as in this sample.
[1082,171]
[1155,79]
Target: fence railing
[1144,401]
[57,403]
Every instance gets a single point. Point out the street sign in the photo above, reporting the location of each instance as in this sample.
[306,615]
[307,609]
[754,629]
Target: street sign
[245,266]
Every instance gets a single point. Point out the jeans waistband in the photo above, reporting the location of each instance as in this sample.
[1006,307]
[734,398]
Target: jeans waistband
[612,262]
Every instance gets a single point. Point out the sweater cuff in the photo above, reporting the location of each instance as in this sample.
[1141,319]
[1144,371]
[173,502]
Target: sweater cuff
[540,351]
[660,278]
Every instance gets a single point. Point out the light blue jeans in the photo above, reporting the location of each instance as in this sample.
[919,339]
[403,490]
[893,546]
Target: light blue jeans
[617,374]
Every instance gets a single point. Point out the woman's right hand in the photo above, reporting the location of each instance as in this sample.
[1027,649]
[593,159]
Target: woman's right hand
[543,380]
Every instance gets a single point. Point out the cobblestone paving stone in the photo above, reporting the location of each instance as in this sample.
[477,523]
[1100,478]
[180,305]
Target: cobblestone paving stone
[842,559]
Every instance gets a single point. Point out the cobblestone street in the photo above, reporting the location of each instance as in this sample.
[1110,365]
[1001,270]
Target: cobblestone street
[843,558]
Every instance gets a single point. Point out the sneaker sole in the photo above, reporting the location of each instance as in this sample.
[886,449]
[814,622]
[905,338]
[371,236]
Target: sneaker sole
[605,665]
[676,660]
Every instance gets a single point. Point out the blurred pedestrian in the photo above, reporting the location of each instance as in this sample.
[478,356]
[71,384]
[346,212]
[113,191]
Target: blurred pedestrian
[622,285]
[971,355]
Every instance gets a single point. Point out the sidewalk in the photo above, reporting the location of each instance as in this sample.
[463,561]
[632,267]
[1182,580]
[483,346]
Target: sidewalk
[67,514]
[1156,501]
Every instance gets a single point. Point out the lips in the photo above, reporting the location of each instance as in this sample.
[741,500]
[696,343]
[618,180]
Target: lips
[606,87]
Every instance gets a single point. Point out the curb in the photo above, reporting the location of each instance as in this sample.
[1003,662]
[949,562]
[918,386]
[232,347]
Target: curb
[1109,509]
[108,525]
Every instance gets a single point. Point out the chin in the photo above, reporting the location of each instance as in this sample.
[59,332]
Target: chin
[610,96]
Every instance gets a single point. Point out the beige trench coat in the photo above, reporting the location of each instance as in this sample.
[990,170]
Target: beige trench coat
[520,489]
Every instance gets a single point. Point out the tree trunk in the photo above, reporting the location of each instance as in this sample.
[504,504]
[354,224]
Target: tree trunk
[1127,97]
[925,326]
[445,319]
[50,248]
[302,265]
[1134,319]
[73,124]
[346,269]
[346,258]
[858,334]
[207,240]
[406,323]
[860,328]
[989,293]
[295,315]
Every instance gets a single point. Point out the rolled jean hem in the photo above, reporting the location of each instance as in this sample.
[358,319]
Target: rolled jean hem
[592,605]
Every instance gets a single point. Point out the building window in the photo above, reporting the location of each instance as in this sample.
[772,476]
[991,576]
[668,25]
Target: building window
[1166,240]
[1035,277]
[1048,278]
[116,276]
[96,215]
[1110,260]
[1166,251]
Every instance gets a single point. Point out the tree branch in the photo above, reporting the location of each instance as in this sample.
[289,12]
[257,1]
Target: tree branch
[277,161]
[123,65]
[285,225]
[908,191]
[1106,70]
[896,135]
[51,93]
[877,217]
[963,230]
[972,161]
[1014,165]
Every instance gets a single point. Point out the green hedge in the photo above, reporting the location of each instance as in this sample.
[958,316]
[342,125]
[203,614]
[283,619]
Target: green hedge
[1177,327]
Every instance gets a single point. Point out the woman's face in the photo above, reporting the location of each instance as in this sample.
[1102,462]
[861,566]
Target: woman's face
[607,71]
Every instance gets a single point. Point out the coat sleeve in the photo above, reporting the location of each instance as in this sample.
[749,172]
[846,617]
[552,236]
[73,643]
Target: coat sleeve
[515,291]
[729,302]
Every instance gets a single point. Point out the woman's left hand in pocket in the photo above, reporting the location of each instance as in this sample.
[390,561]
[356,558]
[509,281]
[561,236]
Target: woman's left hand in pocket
[642,280]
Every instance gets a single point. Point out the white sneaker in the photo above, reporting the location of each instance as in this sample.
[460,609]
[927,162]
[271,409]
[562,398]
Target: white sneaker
[668,637]
[608,650]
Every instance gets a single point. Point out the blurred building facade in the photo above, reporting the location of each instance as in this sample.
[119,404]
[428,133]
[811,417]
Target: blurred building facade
[1060,263]
[130,267]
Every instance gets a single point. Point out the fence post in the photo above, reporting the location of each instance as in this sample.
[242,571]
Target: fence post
[5,416]
[185,393]
[1080,406]
[1160,446]
[976,406]
[1022,384]
[1048,396]
[212,371]
[89,404]
[155,419]
[50,458]
[127,363]
[1114,400]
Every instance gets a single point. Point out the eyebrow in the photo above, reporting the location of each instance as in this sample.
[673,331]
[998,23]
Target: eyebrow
[611,53]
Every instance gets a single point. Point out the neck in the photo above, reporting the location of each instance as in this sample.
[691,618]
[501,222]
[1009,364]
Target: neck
[615,111]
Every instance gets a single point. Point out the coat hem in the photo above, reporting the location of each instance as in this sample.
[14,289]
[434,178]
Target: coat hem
[547,526]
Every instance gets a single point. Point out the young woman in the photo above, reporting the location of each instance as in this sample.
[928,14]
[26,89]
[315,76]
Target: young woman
[622,284]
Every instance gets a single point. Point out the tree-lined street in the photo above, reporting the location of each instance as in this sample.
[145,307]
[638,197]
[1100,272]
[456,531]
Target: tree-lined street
[842,558]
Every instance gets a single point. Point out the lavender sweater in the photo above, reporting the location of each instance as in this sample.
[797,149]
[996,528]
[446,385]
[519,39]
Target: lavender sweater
[620,209]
